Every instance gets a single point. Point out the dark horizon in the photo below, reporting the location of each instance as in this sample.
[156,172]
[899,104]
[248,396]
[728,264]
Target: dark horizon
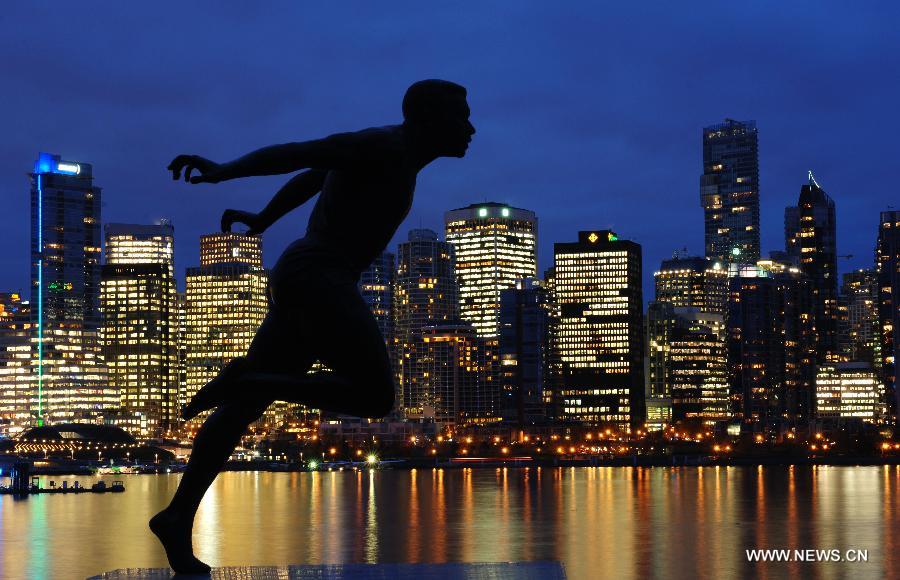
[129,90]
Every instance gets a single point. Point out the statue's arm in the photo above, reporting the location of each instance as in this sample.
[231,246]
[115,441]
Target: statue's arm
[300,189]
[339,151]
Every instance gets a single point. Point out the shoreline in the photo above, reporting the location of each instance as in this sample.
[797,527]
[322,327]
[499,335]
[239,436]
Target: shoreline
[516,463]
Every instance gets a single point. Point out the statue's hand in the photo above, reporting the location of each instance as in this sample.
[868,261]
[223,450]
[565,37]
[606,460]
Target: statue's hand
[210,172]
[251,220]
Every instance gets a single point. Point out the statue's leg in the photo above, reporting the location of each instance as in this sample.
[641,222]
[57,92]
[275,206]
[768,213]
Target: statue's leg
[214,443]
[339,328]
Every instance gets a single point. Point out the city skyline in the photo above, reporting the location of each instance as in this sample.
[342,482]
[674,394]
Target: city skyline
[562,122]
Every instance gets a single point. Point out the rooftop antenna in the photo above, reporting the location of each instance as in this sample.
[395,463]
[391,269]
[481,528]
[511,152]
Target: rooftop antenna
[812,180]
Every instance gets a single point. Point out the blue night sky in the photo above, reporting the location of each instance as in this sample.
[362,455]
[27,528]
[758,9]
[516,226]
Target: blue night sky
[590,115]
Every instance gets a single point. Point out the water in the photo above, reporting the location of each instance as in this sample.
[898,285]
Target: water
[605,522]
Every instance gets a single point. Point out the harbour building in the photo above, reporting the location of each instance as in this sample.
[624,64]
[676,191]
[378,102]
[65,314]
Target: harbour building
[138,301]
[811,240]
[599,331]
[426,295]
[68,380]
[225,302]
[495,246]
[729,191]
[849,391]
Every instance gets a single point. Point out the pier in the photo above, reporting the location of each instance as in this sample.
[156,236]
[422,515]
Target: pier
[24,484]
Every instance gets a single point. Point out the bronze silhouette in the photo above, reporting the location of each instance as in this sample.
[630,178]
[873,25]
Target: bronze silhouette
[367,180]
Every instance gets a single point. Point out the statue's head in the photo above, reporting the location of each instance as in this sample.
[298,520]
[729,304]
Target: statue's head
[438,113]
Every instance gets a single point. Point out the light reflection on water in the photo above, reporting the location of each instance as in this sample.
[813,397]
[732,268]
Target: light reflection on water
[600,522]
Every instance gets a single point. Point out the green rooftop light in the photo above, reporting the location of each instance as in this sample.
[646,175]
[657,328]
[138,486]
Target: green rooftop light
[505,212]
[612,237]
[482,212]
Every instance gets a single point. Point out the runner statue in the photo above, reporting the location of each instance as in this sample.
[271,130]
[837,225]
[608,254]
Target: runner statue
[367,180]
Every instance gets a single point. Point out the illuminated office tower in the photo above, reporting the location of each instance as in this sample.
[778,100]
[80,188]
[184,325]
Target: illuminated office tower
[524,326]
[848,391]
[15,364]
[230,248]
[687,361]
[425,295]
[452,363]
[810,238]
[697,368]
[729,191]
[376,286]
[660,327]
[69,380]
[495,246]
[599,333]
[691,299]
[692,282]
[225,302]
[771,345]
[859,333]
[887,262]
[139,333]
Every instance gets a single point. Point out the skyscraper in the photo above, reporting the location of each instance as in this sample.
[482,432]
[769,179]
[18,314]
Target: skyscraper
[225,304]
[697,367]
[15,364]
[140,319]
[452,363]
[599,332]
[810,238]
[69,382]
[859,334]
[771,345]
[692,282]
[887,262]
[425,295]
[495,246]
[524,324]
[729,191]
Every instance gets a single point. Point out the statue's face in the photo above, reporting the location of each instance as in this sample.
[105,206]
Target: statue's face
[450,129]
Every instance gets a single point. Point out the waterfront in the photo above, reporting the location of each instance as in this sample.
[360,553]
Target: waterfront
[600,522]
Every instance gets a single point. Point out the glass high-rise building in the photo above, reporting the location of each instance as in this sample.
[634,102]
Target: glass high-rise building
[140,325]
[692,282]
[452,363]
[599,331]
[729,191]
[858,333]
[887,262]
[697,367]
[524,327]
[15,364]
[687,361]
[225,302]
[425,295]
[771,346]
[811,240]
[69,380]
[495,246]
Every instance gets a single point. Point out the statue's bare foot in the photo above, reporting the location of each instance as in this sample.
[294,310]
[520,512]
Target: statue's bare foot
[216,391]
[175,534]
